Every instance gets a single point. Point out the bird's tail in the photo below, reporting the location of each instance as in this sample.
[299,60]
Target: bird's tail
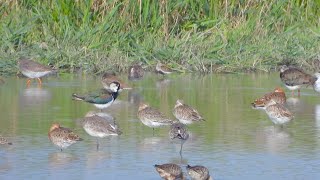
[77,97]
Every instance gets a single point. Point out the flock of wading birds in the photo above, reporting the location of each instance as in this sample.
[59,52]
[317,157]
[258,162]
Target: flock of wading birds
[98,125]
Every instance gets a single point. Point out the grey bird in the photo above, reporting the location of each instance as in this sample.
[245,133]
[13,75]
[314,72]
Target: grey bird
[293,78]
[33,69]
[100,127]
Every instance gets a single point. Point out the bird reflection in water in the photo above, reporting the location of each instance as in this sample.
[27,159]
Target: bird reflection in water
[61,159]
[178,131]
[295,104]
[274,138]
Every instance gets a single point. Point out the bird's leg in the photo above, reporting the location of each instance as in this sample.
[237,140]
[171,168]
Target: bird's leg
[97,144]
[28,82]
[153,131]
[292,93]
[181,152]
[181,148]
[39,81]
[298,92]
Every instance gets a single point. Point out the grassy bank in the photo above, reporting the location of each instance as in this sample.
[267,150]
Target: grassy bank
[193,35]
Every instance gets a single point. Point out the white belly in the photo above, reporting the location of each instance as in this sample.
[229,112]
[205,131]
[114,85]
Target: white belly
[292,88]
[32,74]
[103,106]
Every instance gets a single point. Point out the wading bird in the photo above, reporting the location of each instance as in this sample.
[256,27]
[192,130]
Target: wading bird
[62,137]
[294,78]
[32,69]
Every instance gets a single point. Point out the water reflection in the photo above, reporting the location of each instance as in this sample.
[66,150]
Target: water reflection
[34,97]
[134,97]
[163,83]
[295,104]
[317,118]
[94,158]
[274,138]
[5,164]
[60,159]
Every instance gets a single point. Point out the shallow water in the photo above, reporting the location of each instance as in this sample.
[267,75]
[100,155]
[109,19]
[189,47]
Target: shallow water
[235,141]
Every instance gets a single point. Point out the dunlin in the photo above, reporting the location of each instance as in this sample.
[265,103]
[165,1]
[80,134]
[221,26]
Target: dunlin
[61,136]
[101,99]
[169,171]
[185,113]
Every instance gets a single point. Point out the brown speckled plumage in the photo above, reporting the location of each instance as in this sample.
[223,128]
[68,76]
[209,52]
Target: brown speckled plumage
[278,113]
[198,172]
[152,117]
[185,113]
[61,136]
[163,69]
[135,72]
[278,95]
[169,171]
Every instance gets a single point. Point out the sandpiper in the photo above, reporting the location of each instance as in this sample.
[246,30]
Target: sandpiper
[186,114]
[32,69]
[179,131]
[4,141]
[110,77]
[135,72]
[278,95]
[198,172]
[100,127]
[163,69]
[278,113]
[102,99]
[169,171]
[152,117]
[294,78]
[61,136]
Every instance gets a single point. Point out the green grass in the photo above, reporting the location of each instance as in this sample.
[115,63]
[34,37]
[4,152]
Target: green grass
[192,35]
